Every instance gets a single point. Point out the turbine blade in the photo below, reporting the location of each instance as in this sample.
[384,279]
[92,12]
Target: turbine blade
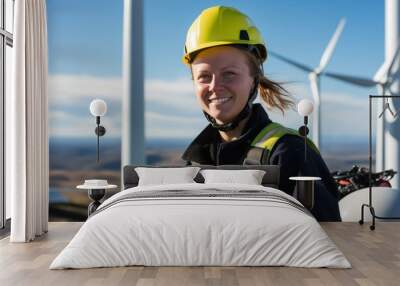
[330,48]
[386,68]
[352,79]
[291,62]
[382,72]
[393,59]
[314,87]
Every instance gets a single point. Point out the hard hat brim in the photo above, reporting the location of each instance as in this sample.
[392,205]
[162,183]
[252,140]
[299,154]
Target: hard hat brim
[188,59]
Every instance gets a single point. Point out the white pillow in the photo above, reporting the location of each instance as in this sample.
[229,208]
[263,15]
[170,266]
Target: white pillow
[163,176]
[249,177]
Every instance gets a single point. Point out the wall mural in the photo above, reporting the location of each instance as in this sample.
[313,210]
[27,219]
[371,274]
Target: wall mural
[85,63]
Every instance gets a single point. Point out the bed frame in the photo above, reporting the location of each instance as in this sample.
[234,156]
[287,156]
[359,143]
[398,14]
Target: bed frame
[270,179]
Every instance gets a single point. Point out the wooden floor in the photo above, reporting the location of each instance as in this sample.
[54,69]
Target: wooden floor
[374,255]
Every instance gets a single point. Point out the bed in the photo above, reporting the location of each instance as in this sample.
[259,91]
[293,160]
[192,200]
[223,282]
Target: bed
[201,222]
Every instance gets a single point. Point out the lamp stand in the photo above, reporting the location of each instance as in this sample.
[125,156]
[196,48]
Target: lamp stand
[100,131]
[303,131]
[98,138]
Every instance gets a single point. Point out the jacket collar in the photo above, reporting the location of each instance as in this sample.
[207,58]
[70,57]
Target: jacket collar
[203,148]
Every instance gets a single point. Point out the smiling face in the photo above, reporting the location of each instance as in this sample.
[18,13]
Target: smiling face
[223,82]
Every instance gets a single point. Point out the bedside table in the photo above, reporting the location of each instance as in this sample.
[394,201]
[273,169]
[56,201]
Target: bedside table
[96,191]
[305,190]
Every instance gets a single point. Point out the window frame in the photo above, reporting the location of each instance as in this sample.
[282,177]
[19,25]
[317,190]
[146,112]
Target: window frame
[6,39]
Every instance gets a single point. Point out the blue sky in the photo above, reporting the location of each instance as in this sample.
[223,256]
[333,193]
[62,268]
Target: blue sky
[85,56]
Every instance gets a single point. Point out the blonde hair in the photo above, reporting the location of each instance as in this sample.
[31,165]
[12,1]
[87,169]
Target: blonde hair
[272,93]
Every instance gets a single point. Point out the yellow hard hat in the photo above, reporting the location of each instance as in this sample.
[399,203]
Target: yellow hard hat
[220,25]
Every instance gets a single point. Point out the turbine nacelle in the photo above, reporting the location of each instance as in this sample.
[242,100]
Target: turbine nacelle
[313,76]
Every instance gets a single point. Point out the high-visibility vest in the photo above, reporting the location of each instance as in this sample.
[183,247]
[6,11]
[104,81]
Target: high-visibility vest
[265,141]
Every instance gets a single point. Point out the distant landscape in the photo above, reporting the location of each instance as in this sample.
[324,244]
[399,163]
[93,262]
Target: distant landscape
[74,160]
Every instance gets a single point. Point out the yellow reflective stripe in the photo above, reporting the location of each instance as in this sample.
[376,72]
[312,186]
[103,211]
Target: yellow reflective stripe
[272,139]
[272,133]
[267,129]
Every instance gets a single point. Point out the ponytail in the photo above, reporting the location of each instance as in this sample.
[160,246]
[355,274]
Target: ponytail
[274,95]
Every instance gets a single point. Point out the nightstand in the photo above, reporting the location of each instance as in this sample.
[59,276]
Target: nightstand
[305,190]
[96,191]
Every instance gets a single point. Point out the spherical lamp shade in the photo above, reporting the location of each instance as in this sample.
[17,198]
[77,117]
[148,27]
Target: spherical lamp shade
[98,107]
[305,107]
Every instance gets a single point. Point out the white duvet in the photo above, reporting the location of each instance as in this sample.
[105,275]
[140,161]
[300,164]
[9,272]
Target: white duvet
[182,231]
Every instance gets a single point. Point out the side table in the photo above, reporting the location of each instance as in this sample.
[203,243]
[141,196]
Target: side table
[305,190]
[96,191]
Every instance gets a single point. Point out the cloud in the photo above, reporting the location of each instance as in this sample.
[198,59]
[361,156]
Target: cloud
[180,86]
[342,114]
[173,112]
[67,88]
[173,126]
[175,96]
[69,99]
[171,107]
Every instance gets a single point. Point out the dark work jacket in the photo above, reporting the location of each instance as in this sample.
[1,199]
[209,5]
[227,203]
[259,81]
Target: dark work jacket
[208,149]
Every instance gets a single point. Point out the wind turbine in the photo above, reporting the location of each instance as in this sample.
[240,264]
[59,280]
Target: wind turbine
[382,79]
[313,76]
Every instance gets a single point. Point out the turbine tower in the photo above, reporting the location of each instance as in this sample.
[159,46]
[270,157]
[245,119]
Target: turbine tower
[383,80]
[388,82]
[313,76]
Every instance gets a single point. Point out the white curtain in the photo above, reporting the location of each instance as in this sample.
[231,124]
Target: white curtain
[26,124]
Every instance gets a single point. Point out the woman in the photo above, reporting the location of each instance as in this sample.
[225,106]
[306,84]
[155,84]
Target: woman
[225,52]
